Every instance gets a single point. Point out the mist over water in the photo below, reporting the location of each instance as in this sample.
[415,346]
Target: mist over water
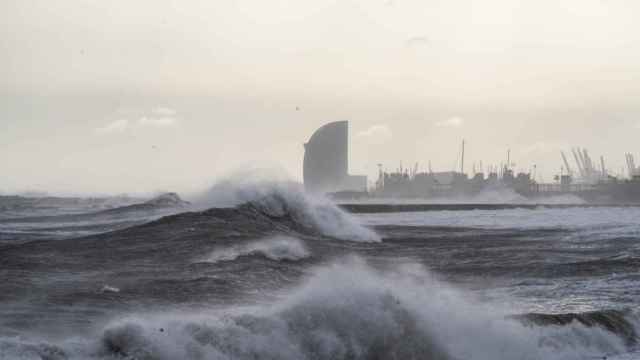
[486,196]
[591,221]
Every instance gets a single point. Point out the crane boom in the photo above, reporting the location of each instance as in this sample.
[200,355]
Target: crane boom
[583,163]
[588,164]
[566,163]
[575,155]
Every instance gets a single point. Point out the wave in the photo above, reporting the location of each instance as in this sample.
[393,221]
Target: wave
[275,248]
[614,321]
[288,213]
[279,199]
[349,310]
[19,206]
[167,202]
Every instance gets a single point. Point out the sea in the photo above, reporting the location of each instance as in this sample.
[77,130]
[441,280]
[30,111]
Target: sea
[270,272]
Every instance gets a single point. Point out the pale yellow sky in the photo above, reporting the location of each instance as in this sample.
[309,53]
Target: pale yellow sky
[135,96]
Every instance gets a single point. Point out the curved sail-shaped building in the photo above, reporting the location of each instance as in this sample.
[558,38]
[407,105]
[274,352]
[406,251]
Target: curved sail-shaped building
[326,161]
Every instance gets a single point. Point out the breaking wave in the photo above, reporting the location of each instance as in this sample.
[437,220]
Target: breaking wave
[348,311]
[275,248]
[282,198]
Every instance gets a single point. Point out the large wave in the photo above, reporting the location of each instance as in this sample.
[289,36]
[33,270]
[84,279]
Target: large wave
[285,198]
[345,311]
[351,311]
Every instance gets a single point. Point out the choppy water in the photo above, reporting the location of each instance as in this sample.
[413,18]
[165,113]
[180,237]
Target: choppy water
[288,276]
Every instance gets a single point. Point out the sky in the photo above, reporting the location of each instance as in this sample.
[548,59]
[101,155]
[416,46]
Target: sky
[155,95]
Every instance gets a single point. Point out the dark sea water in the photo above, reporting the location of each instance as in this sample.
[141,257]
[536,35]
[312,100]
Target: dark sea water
[284,275]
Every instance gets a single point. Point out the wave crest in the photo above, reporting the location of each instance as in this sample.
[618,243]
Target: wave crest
[280,199]
[275,248]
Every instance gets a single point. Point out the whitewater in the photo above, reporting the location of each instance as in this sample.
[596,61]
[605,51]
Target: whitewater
[270,272]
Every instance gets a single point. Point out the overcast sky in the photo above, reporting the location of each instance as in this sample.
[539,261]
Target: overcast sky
[137,96]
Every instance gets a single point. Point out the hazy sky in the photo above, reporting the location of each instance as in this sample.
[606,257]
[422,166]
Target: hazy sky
[134,96]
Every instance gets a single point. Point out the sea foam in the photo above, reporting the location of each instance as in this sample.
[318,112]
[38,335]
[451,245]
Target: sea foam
[275,248]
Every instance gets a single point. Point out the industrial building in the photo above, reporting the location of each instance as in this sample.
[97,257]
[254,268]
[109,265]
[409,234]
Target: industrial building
[326,170]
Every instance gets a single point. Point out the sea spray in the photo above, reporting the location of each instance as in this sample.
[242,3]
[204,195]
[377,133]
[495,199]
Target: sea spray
[279,198]
[345,310]
[349,310]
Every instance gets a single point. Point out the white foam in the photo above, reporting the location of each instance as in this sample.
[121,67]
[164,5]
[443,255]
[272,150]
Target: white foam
[350,311]
[275,248]
[109,289]
[280,198]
